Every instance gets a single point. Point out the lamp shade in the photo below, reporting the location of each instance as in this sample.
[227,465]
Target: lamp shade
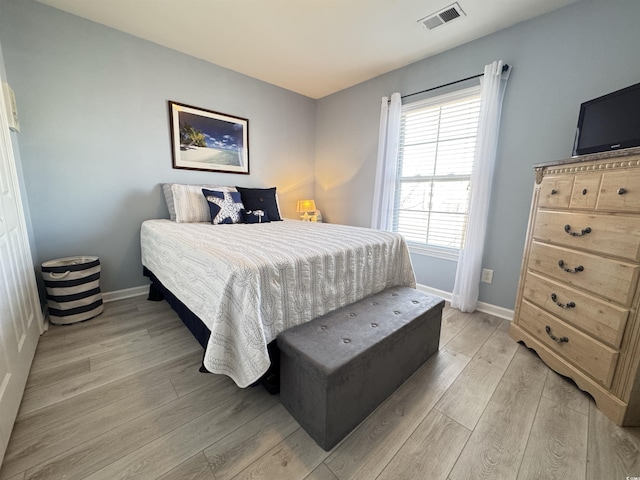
[306,206]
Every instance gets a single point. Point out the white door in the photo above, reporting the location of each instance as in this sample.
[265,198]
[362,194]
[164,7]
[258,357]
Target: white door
[20,315]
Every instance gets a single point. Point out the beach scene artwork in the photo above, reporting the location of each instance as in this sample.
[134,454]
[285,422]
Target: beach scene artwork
[207,140]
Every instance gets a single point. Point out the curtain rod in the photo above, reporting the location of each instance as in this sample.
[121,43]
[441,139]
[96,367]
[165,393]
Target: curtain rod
[505,67]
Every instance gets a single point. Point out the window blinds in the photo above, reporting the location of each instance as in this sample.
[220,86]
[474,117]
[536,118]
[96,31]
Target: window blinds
[436,154]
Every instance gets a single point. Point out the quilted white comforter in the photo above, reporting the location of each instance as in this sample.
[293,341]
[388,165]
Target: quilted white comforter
[249,282]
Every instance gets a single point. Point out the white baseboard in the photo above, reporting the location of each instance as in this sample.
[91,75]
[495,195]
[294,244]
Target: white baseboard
[126,293]
[494,310]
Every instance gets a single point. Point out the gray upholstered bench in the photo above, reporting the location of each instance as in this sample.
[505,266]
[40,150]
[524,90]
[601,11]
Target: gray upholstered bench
[336,369]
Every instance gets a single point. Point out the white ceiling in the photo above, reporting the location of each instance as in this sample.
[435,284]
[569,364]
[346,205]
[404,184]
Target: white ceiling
[313,47]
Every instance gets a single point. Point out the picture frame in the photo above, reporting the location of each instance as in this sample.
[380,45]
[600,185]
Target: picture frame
[205,140]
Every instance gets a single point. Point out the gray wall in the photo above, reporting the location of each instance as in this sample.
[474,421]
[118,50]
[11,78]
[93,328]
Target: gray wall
[94,143]
[559,60]
[94,138]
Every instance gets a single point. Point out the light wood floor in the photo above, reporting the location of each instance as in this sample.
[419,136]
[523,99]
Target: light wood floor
[120,396]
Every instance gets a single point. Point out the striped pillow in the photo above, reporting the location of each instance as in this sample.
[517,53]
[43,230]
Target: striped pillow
[189,205]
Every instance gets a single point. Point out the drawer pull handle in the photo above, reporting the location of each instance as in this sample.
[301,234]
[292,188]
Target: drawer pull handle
[553,337]
[579,268]
[554,297]
[553,191]
[567,228]
[622,191]
[584,191]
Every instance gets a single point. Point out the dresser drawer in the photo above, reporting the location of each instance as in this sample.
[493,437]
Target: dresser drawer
[603,321]
[555,191]
[614,235]
[590,356]
[585,191]
[620,191]
[610,279]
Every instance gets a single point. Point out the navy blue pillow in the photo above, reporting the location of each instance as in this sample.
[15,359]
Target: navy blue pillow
[224,206]
[254,216]
[261,199]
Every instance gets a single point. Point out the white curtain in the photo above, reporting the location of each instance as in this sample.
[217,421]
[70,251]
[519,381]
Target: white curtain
[386,170]
[467,282]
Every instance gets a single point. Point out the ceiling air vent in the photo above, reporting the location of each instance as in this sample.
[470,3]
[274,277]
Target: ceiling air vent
[445,15]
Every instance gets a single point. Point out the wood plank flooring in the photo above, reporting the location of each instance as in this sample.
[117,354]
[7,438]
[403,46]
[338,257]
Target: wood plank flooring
[120,396]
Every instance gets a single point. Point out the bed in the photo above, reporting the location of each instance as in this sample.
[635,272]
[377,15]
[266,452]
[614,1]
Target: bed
[246,283]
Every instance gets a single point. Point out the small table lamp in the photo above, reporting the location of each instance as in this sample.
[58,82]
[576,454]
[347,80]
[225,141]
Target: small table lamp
[304,207]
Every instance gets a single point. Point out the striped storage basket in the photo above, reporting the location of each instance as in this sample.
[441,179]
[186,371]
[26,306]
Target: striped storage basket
[73,289]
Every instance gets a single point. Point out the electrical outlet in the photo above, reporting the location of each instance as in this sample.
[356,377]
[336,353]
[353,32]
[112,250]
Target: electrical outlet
[487,276]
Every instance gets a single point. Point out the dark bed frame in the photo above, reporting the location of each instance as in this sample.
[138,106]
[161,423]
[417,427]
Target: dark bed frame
[158,292]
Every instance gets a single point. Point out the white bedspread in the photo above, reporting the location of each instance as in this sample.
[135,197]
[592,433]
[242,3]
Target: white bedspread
[249,282]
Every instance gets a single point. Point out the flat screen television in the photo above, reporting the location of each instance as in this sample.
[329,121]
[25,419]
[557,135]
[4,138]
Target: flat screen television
[610,122]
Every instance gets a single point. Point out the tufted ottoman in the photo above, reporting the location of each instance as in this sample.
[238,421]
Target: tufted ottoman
[336,369]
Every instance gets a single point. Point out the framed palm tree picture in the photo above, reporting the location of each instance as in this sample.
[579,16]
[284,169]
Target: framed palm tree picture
[206,140]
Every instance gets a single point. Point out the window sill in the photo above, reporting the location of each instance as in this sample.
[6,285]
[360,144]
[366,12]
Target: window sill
[444,253]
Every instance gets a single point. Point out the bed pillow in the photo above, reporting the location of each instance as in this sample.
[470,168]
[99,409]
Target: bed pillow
[189,205]
[224,207]
[261,199]
[254,216]
[168,198]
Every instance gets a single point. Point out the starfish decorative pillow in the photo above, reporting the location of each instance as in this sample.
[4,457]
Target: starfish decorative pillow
[224,206]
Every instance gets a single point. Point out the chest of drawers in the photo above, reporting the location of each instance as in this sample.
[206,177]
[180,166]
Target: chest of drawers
[579,291]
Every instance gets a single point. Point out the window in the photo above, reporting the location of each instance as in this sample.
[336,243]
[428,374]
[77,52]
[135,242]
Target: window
[435,161]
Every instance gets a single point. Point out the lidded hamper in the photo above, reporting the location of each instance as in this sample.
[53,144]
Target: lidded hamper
[73,289]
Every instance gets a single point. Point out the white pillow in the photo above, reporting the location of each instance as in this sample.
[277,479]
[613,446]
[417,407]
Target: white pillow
[168,197]
[188,202]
